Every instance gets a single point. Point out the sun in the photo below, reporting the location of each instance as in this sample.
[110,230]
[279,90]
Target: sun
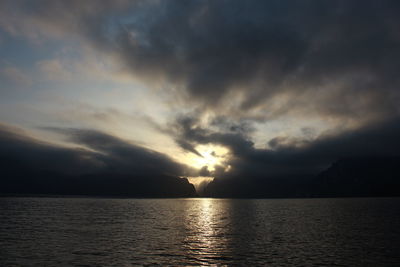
[212,156]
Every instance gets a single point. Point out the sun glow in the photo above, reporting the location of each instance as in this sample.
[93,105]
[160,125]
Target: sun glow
[211,156]
[200,183]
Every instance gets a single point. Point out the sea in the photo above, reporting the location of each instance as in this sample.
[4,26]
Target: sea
[199,232]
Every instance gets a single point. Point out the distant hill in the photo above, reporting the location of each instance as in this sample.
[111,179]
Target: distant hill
[359,177]
[356,177]
[19,179]
[352,177]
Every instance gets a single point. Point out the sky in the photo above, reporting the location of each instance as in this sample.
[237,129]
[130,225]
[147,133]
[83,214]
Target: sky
[198,88]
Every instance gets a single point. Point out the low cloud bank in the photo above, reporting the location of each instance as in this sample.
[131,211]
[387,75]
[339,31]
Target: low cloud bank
[111,167]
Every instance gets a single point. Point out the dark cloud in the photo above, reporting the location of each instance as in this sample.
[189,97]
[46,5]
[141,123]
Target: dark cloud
[109,166]
[121,156]
[294,156]
[16,146]
[257,59]
[334,58]
[204,171]
[187,146]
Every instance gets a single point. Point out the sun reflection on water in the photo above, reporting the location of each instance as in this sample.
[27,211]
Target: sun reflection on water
[205,239]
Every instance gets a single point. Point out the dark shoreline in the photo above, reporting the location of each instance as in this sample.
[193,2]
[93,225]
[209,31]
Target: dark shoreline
[198,197]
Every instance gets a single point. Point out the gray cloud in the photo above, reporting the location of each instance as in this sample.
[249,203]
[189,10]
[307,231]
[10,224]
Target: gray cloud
[258,59]
[333,58]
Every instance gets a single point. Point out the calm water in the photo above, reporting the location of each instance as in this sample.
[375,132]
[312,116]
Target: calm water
[128,232]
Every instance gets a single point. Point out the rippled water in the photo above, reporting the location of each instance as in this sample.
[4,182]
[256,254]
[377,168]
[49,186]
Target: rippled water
[128,232]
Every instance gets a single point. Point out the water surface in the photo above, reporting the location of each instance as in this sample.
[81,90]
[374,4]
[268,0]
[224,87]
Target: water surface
[129,232]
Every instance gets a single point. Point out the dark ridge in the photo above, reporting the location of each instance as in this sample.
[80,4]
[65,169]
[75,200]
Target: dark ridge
[17,179]
[360,177]
[352,177]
